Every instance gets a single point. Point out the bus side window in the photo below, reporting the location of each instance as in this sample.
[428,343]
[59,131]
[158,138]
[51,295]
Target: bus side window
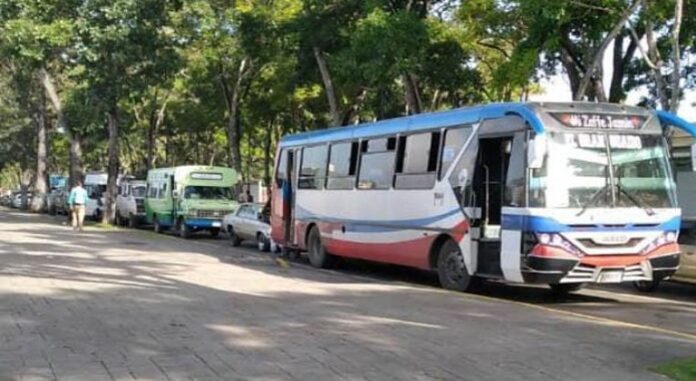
[313,169]
[515,179]
[343,159]
[417,161]
[455,138]
[377,164]
[281,168]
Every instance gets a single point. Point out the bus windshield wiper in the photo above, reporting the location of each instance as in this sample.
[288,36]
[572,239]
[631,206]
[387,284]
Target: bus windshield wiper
[594,198]
[648,210]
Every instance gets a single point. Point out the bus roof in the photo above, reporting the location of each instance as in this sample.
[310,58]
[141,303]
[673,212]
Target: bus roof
[530,112]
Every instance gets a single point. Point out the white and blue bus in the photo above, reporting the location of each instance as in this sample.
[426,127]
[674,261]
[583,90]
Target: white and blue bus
[556,193]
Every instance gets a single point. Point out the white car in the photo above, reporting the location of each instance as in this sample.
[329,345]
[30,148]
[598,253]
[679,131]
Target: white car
[17,200]
[248,223]
[130,203]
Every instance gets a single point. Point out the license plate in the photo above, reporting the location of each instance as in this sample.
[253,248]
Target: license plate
[216,224]
[611,277]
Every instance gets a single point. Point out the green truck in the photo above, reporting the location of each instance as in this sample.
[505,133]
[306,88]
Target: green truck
[189,198]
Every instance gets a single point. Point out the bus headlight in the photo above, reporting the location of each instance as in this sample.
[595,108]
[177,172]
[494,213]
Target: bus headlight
[663,239]
[557,240]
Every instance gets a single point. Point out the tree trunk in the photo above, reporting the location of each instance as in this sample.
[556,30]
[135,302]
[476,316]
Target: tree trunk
[656,64]
[40,186]
[621,61]
[267,142]
[232,97]
[76,169]
[328,87]
[156,120]
[113,166]
[676,56]
[412,95]
[599,54]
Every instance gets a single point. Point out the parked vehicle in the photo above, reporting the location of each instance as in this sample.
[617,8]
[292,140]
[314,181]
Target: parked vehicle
[561,194]
[130,203]
[683,149]
[18,202]
[95,185]
[248,223]
[189,198]
[58,201]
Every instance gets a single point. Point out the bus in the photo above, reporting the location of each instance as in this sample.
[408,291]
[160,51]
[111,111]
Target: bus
[189,198]
[562,194]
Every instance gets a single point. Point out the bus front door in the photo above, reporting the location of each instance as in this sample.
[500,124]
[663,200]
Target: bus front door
[289,200]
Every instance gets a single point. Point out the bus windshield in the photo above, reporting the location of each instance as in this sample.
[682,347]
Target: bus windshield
[207,193]
[138,191]
[584,170]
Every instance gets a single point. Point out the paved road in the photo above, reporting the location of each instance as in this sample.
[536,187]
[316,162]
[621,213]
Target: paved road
[124,305]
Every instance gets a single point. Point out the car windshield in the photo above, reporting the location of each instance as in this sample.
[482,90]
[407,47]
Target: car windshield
[603,170]
[207,193]
[138,191]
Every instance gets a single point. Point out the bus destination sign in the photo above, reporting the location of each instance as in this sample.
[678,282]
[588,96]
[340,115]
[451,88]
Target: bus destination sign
[600,121]
[206,176]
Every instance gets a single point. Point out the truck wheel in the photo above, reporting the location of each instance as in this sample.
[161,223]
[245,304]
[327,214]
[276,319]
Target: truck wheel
[236,241]
[318,256]
[262,243]
[451,269]
[565,288]
[214,232]
[647,285]
[184,230]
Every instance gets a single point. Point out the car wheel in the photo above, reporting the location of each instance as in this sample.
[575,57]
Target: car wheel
[262,243]
[451,269]
[184,230]
[214,232]
[565,288]
[236,241]
[647,285]
[318,256]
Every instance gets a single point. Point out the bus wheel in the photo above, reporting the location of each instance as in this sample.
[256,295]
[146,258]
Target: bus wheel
[184,230]
[316,252]
[262,243]
[565,288]
[451,269]
[647,285]
[236,241]
[156,226]
[214,232]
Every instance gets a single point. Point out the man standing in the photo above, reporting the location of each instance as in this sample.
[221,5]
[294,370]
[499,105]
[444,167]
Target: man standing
[77,200]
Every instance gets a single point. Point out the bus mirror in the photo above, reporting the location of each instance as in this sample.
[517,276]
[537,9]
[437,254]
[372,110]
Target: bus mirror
[693,157]
[536,151]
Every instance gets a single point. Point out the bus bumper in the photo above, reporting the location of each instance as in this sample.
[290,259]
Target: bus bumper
[203,223]
[600,268]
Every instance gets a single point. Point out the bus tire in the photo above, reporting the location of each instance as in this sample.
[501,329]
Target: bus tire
[234,238]
[184,230]
[565,288]
[318,256]
[647,285]
[451,269]
[156,226]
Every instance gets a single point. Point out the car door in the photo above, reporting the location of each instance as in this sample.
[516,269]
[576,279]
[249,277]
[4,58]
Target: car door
[240,223]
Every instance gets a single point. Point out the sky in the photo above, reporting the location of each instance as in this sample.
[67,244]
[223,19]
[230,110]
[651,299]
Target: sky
[557,89]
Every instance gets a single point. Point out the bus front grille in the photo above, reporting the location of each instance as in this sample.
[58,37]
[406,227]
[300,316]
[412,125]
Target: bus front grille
[210,213]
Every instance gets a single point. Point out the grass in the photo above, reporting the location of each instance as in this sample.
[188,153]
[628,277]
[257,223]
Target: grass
[679,370]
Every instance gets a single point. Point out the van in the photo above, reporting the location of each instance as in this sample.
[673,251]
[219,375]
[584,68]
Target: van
[95,185]
[189,198]
[130,203]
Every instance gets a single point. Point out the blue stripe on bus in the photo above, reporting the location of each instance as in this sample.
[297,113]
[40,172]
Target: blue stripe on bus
[549,225]
[466,115]
[372,226]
